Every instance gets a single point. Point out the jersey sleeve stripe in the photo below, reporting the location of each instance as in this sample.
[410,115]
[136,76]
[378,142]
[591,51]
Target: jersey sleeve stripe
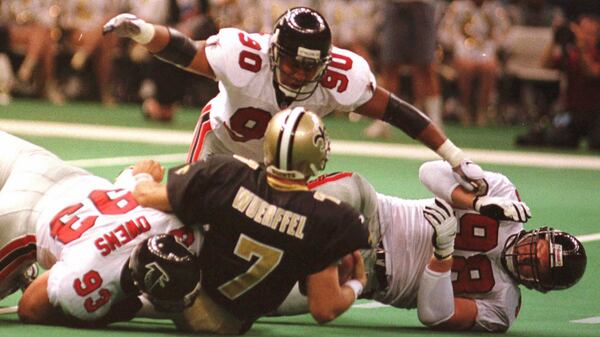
[202,129]
[16,252]
[324,179]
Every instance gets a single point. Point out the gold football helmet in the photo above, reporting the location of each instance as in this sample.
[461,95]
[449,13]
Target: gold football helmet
[296,145]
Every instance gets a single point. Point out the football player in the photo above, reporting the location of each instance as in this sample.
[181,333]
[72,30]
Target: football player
[81,227]
[481,253]
[260,74]
[266,229]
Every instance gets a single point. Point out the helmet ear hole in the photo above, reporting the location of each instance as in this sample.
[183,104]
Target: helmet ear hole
[165,272]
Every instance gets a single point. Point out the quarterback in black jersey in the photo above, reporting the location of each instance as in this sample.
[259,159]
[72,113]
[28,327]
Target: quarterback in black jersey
[264,230]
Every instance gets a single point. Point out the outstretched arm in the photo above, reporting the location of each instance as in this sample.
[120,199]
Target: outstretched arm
[144,180]
[152,194]
[399,113]
[165,43]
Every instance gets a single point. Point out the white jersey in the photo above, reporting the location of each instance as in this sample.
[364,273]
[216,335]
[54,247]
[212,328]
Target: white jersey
[239,114]
[86,233]
[27,172]
[407,246]
[477,272]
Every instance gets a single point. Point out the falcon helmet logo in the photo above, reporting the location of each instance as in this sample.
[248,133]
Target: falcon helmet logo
[155,276]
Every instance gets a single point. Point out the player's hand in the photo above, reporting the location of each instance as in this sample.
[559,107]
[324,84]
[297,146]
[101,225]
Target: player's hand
[470,176]
[441,217]
[359,268]
[129,25]
[151,167]
[502,209]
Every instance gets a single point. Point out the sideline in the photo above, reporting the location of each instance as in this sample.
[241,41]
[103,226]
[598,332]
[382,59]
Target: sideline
[350,148]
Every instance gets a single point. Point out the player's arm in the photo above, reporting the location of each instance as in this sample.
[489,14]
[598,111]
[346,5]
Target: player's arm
[436,305]
[327,299]
[165,43]
[34,305]
[399,113]
[152,194]
[439,179]
[35,308]
[389,108]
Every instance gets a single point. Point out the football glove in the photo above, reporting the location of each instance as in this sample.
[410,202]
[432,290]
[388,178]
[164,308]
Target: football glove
[470,176]
[129,25]
[502,209]
[440,216]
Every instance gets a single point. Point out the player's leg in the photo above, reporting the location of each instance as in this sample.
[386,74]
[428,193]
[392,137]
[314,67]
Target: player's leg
[27,171]
[17,238]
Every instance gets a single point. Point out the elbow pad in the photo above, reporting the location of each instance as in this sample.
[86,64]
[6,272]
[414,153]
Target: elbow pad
[438,178]
[435,300]
[180,50]
[405,116]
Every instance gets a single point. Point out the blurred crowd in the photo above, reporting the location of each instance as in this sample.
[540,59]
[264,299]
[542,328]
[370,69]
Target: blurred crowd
[472,61]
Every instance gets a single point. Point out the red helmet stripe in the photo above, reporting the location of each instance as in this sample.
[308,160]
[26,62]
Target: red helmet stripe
[326,178]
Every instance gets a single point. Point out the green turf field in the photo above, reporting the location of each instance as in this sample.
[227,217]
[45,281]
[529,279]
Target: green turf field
[567,198]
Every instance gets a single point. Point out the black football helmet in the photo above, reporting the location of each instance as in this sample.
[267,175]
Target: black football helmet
[567,259]
[302,35]
[165,272]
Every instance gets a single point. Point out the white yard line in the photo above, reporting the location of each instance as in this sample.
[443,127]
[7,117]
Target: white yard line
[121,161]
[352,148]
[8,310]
[589,320]
[589,237]
[366,149]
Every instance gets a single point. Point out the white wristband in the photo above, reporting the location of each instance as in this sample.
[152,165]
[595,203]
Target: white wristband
[356,287]
[146,33]
[142,177]
[450,153]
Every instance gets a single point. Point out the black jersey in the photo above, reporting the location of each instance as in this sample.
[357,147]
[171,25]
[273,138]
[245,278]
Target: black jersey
[260,240]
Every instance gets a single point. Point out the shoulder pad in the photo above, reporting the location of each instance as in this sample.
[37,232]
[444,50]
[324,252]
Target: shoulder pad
[237,57]
[348,79]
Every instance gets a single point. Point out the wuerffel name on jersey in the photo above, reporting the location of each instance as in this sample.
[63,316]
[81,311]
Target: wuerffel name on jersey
[269,215]
[121,235]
